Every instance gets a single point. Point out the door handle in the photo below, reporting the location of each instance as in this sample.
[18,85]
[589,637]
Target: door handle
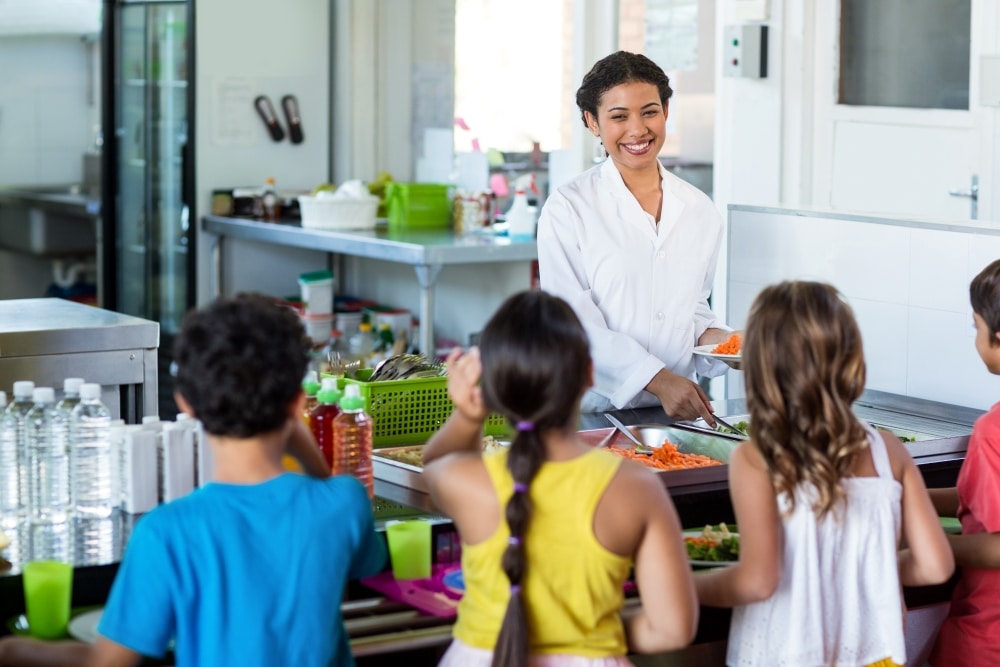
[972,193]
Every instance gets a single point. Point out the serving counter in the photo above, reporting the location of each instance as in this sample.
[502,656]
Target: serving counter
[426,251]
[382,631]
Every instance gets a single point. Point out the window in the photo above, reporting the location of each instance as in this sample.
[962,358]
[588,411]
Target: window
[905,53]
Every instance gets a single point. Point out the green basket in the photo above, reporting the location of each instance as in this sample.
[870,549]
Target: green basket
[408,412]
[418,206]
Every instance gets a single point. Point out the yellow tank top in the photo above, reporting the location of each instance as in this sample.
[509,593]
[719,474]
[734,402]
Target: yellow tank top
[573,585]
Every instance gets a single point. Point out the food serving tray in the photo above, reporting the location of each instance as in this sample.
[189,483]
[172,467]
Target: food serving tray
[401,465]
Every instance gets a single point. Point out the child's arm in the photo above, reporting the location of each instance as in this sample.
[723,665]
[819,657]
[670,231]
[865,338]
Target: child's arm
[302,446]
[979,551]
[28,652]
[755,577]
[927,558]
[945,501]
[463,431]
[668,617]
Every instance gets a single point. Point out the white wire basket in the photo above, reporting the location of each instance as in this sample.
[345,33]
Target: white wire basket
[337,214]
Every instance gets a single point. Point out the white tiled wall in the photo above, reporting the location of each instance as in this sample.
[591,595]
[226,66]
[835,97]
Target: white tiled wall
[47,111]
[908,283]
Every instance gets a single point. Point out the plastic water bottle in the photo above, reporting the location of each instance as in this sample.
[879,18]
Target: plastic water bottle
[10,481]
[91,457]
[48,468]
[61,413]
[352,439]
[13,454]
[323,416]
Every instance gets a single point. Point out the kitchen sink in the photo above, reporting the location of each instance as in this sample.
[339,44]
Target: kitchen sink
[48,221]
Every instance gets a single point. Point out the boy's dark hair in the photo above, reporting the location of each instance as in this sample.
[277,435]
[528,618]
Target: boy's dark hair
[984,293]
[536,365]
[618,68]
[240,363]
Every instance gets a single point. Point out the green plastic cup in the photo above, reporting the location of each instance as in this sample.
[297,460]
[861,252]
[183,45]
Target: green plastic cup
[410,549]
[48,587]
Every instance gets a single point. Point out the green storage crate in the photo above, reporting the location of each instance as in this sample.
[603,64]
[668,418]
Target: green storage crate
[408,412]
[418,206]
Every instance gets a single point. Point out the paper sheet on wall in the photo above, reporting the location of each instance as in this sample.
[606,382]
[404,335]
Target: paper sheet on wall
[233,114]
[672,33]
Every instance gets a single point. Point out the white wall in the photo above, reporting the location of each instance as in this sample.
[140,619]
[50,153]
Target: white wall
[272,52]
[907,281]
[49,104]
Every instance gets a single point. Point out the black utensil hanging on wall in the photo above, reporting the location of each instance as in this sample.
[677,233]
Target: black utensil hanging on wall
[293,118]
[266,110]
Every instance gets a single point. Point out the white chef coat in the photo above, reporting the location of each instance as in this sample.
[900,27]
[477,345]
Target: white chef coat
[640,289]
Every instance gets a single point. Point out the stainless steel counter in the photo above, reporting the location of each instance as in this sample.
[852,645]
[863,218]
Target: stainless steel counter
[49,221]
[944,431]
[426,251]
[48,340]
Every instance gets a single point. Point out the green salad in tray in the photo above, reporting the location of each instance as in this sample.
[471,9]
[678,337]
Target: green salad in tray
[715,544]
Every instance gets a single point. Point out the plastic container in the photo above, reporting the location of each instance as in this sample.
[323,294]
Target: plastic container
[9,466]
[48,463]
[318,328]
[352,439]
[362,344]
[316,290]
[270,209]
[520,217]
[419,205]
[410,411]
[338,214]
[91,472]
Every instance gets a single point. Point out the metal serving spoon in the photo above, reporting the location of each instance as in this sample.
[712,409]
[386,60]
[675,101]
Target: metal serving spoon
[639,446]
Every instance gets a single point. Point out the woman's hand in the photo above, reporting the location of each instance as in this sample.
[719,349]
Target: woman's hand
[464,372]
[680,397]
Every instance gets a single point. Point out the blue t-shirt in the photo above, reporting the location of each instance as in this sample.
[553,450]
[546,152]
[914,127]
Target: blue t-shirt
[246,574]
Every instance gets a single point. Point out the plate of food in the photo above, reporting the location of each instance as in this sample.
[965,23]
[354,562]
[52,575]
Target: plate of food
[727,351]
[712,546]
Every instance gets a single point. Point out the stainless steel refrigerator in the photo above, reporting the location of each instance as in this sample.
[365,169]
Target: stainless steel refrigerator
[148,240]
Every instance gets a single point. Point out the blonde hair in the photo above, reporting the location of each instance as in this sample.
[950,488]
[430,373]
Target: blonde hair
[804,366]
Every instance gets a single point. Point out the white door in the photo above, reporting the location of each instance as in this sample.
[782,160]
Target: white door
[899,160]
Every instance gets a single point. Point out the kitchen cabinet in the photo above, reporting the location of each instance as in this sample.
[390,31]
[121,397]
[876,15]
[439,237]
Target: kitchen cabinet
[426,251]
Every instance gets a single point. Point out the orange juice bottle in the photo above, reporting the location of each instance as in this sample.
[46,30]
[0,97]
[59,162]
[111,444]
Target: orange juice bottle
[310,385]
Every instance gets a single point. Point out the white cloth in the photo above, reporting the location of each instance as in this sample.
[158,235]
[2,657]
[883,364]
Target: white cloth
[839,601]
[641,290]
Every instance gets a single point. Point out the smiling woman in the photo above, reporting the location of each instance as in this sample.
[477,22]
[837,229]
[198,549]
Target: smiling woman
[634,249]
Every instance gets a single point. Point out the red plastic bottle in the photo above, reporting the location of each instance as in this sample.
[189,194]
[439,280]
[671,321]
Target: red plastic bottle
[322,417]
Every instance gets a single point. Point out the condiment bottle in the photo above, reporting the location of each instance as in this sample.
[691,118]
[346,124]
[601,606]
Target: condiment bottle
[352,439]
[310,386]
[322,418]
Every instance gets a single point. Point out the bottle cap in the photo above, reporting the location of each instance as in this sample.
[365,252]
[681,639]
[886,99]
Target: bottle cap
[23,389]
[329,392]
[43,395]
[365,326]
[310,384]
[72,385]
[90,391]
[150,419]
[352,400]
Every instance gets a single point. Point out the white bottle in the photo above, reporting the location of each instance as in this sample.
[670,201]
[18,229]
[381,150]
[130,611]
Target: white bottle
[521,217]
[48,480]
[153,424]
[92,462]
[14,453]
